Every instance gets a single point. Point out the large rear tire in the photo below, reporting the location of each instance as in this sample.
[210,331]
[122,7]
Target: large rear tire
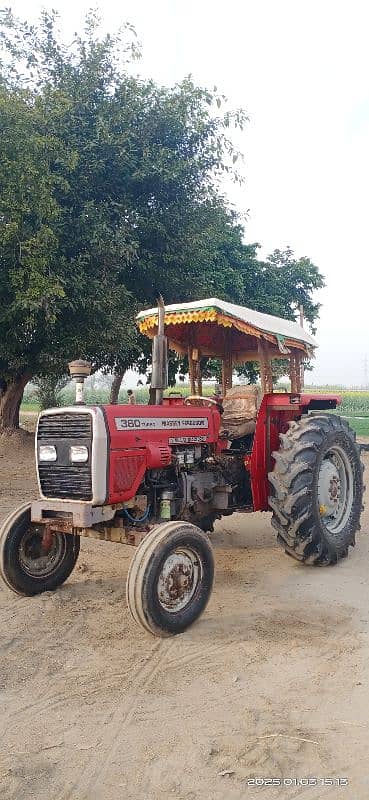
[317,489]
[28,565]
[170,578]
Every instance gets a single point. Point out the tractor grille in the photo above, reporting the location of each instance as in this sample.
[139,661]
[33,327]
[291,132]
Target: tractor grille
[65,426]
[72,481]
[60,478]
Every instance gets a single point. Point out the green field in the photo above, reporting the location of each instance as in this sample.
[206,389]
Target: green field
[361,426]
[354,406]
[67,396]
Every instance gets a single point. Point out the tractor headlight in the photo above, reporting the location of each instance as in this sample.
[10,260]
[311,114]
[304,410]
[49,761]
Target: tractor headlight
[47,452]
[78,454]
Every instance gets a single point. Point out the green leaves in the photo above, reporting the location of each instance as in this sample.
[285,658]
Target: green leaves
[110,190]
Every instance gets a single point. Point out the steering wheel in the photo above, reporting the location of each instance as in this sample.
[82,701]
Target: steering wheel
[199,400]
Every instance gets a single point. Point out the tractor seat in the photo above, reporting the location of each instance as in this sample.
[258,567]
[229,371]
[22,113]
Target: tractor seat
[241,404]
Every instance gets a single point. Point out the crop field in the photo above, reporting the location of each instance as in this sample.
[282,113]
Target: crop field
[354,406]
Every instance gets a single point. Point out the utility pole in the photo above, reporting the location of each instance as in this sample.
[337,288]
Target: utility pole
[365,368]
[302,373]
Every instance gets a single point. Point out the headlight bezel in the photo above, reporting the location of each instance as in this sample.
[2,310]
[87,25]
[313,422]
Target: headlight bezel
[42,454]
[78,454]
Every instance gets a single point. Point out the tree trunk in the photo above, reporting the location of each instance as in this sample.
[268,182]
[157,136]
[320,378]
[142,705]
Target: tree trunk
[115,387]
[10,401]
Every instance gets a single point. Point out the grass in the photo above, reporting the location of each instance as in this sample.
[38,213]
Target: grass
[30,406]
[354,407]
[360,426]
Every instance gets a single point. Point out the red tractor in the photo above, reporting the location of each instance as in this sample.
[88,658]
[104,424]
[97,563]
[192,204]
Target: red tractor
[157,477]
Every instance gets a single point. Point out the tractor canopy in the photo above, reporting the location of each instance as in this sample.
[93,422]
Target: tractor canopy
[235,334]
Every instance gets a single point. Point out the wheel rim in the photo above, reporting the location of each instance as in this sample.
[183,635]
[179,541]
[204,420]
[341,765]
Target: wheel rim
[335,489]
[35,558]
[179,578]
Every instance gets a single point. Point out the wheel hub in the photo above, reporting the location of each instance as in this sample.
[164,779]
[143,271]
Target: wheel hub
[329,488]
[335,489]
[178,580]
[39,554]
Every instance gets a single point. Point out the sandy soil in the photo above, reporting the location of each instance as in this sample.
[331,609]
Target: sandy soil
[273,681]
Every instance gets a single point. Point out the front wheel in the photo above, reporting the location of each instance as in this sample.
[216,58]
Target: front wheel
[30,562]
[170,578]
[317,489]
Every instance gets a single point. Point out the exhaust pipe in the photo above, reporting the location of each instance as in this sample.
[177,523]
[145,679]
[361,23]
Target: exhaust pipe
[159,377]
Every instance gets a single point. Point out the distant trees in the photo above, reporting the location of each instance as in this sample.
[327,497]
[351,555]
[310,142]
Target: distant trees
[109,190]
[48,390]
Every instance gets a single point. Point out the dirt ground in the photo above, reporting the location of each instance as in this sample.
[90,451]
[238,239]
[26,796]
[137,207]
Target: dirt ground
[272,682]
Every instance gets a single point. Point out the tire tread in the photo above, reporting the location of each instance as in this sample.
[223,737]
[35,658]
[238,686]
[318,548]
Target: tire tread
[291,483]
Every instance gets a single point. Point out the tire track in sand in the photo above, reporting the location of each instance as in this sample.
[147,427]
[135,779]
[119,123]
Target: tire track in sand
[97,767]
[40,697]
[161,654]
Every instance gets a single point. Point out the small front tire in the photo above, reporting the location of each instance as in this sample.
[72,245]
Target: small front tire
[170,578]
[26,565]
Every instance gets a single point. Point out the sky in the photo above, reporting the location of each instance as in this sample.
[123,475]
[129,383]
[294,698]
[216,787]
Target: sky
[300,70]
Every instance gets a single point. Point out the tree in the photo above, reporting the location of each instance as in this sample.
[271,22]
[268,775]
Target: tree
[110,190]
[46,298]
[285,283]
[48,390]
[106,178]
[27,246]
[281,285]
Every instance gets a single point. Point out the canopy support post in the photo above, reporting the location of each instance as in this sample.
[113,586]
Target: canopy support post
[227,369]
[191,370]
[266,375]
[199,374]
[227,362]
[295,371]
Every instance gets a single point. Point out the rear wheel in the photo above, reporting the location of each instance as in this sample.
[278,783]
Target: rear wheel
[30,562]
[170,578]
[317,489]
